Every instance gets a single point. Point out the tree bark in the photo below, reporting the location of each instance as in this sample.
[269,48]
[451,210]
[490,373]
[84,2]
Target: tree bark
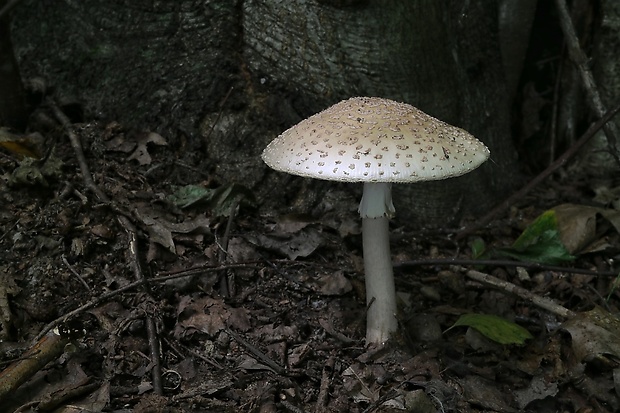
[441,56]
[221,78]
[13,111]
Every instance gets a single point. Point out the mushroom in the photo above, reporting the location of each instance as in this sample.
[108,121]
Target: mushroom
[375,141]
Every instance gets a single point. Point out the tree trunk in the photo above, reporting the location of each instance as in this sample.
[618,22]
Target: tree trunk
[13,112]
[441,56]
[227,76]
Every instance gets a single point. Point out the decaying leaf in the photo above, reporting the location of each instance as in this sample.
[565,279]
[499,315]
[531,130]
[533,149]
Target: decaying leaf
[141,153]
[354,379]
[607,194]
[31,172]
[577,225]
[160,229]
[208,315]
[220,200]
[7,287]
[538,389]
[331,284]
[30,146]
[482,392]
[292,245]
[595,335]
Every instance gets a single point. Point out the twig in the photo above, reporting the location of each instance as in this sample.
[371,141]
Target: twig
[256,352]
[78,151]
[193,352]
[131,233]
[74,272]
[570,152]
[151,330]
[104,297]
[321,400]
[553,132]
[542,302]
[227,281]
[291,407]
[501,263]
[9,229]
[8,7]
[219,114]
[580,60]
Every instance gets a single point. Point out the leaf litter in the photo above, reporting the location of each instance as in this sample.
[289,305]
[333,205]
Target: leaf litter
[288,333]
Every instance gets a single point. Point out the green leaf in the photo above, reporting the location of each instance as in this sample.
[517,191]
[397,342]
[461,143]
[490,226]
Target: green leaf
[545,223]
[540,242]
[225,198]
[494,328]
[189,195]
[478,248]
[220,200]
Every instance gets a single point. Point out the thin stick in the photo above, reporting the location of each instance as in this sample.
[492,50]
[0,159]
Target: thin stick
[326,378]
[580,60]
[219,114]
[256,352]
[75,273]
[154,349]
[9,230]
[227,280]
[104,297]
[502,263]
[526,295]
[570,152]
[8,7]
[131,234]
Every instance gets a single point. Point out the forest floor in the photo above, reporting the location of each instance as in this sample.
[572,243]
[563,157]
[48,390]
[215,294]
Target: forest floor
[135,300]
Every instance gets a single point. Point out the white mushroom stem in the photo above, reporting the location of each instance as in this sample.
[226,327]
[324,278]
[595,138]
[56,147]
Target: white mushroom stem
[375,209]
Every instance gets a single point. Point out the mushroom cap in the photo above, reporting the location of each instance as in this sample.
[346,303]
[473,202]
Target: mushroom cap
[369,139]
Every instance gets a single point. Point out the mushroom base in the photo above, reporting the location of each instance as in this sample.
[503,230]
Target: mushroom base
[380,290]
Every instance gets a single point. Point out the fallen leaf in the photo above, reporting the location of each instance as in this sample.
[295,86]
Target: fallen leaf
[292,245]
[578,225]
[220,200]
[538,389]
[540,242]
[31,172]
[141,153]
[208,315]
[30,146]
[160,229]
[332,284]
[484,393]
[494,328]
[595,335]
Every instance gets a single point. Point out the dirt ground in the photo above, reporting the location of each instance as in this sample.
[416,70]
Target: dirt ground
[152,295]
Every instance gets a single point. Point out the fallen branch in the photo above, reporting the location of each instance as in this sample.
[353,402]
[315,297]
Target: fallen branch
[526,295]
[502,263]
[47,349]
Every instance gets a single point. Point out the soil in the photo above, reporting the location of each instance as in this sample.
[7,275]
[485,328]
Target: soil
[205,302]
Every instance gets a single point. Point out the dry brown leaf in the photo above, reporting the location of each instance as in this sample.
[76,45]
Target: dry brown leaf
[578,227]
[141,153]
[595,336]
[292,245]
[208,315]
